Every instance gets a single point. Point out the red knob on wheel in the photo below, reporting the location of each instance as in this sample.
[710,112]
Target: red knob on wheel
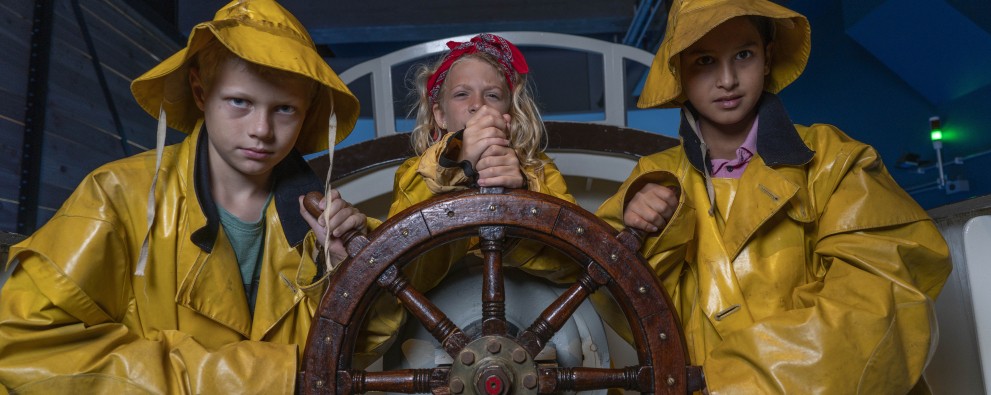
[493,386]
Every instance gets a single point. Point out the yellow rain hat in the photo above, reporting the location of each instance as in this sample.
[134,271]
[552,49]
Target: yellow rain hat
[690,20]
[261,32]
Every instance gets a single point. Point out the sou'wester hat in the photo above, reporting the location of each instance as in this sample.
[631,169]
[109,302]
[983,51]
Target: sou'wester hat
[690,20]
[261,32]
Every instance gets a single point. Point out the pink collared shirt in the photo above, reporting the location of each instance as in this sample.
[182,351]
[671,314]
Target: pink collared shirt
[733,168]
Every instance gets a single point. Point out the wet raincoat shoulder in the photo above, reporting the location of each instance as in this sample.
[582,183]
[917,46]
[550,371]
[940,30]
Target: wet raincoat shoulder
[822,279]
[76,316]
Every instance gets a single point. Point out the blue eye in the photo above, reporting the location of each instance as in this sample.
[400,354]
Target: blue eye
[286,109]
[747,54]
[238,102]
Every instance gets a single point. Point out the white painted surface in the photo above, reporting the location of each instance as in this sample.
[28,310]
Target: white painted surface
[613,55]
[593,165]
[955,368]
[368,185]
[977,253]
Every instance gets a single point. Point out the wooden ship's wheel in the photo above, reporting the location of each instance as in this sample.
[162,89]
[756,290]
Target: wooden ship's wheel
[495,361]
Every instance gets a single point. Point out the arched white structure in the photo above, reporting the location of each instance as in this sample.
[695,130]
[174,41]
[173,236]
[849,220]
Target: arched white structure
[613,168]
[612,54]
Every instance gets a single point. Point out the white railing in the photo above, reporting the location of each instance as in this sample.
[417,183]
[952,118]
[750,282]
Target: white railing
[613,56]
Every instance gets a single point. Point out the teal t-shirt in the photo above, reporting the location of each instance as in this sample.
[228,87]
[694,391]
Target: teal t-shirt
[248,241]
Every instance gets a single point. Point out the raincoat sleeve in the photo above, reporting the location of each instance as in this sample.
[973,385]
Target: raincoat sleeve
[438,178]
[58,335]
[666,248]
[442,174]
[865,325]
[408,188]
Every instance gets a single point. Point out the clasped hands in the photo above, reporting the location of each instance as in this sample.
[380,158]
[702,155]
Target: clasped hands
[486,145]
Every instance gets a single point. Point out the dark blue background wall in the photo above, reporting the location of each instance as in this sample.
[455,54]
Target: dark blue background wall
[880,69]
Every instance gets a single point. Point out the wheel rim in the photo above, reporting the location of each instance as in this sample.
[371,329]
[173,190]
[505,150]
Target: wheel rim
[609,260]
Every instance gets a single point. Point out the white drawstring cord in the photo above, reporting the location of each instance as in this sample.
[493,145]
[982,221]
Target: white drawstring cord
[331,141]
[159,147]
[709,189]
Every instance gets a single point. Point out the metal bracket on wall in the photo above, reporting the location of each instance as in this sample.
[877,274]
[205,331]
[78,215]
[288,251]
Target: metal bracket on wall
[34,117]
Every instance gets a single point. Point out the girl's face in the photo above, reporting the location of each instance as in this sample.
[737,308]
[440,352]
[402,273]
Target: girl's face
[723,75]
[470,84]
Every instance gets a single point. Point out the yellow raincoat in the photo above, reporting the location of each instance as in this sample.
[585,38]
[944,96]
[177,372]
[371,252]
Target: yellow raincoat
[85,311]
[75,316]
[422,177]
[813,273]
[816,275]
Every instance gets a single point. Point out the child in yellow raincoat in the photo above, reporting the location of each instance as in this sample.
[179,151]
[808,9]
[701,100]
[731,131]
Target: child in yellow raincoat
[188,269]
[795,262]
[477,126]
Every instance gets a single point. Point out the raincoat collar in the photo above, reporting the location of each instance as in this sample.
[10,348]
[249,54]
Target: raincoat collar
[205,286]
[292,178]
[778,142]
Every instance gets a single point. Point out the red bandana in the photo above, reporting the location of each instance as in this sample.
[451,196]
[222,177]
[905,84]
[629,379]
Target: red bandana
[508,56]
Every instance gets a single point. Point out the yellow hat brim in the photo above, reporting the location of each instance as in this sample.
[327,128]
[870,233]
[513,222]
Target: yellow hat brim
[281,45]
[689,21]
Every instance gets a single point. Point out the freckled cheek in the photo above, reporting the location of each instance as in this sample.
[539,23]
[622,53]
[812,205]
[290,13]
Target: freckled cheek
[217,108]
[456,122]
[706,77]
[503,107]
[226,112]
[290,129]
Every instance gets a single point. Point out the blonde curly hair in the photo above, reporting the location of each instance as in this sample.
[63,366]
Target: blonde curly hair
[526,134]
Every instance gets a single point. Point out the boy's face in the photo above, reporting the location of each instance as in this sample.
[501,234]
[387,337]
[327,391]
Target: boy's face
[723,74]
[470,84]
[252,120]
